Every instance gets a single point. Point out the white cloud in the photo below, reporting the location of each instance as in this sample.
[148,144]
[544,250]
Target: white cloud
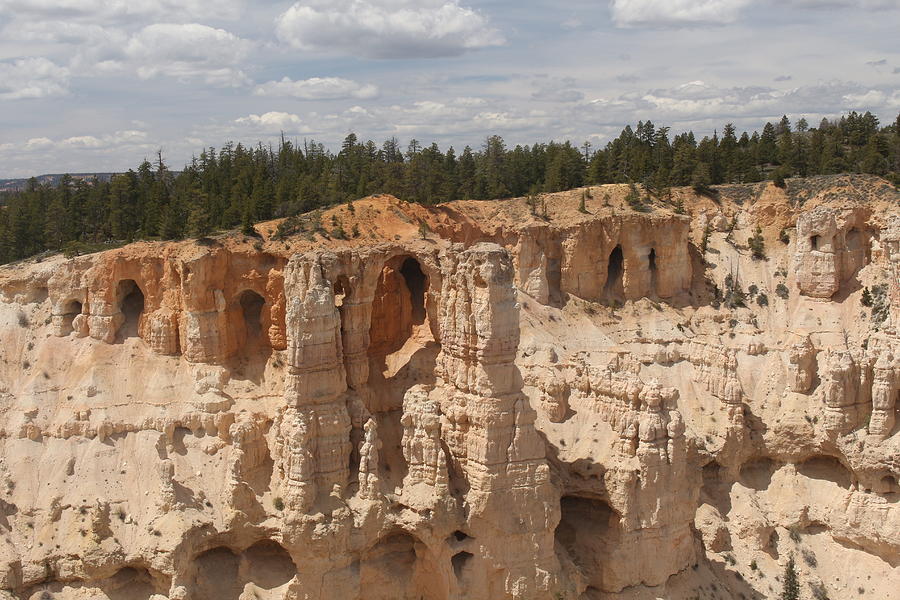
[663,13]
[386,28]
[101,142]
[317,88]
[32,77]
[37,143]
[872,98]
[555,89]
[685,13]
[864,4]
[114,10]
[188,51]
[272,123]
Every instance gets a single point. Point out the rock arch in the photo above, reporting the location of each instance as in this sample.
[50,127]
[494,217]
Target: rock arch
[401,353]
[399,307]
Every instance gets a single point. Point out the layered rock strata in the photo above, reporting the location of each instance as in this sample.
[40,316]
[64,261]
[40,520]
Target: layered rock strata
[571,406]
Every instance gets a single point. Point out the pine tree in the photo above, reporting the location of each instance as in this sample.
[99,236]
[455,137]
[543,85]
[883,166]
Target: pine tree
[700,180]
[54,229]
[791,584]
[757,244]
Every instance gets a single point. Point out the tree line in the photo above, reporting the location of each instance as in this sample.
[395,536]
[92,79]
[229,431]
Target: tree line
[238,185]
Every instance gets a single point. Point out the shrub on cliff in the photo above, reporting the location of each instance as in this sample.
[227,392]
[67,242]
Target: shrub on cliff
[757,244]
[791,587]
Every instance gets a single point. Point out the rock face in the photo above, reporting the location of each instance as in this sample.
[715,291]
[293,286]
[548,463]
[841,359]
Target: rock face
[578,406]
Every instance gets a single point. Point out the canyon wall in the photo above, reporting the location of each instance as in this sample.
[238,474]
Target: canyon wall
[599,404]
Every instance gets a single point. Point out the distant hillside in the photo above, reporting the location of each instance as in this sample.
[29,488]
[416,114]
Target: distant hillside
[16,185]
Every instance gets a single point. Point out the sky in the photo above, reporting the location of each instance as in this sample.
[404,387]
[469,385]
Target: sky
[98,85]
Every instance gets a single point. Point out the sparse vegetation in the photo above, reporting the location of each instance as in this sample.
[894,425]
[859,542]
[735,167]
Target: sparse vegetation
[818,591]
[866,299]
[791,584]
[278,503]
[782,291]
[734,296]
[809,558]
[757,244]
[704,242]
[880,304]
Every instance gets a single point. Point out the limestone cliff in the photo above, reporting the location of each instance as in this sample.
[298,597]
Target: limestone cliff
[600,404]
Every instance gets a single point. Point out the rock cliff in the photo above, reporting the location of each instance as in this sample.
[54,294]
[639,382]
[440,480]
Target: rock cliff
[464,401]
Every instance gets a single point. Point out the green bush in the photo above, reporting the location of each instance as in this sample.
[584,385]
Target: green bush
[757,244]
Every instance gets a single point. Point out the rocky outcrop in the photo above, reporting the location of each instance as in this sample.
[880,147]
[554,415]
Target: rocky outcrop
[832,245]
[513,407]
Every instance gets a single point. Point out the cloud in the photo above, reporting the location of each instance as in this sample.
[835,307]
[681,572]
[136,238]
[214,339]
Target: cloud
[877,63]
[667,13]
[32,77]
[698,104]
[870,98]
[317,88]
[116,140]
[272,123]
[188,51]
[783,78]
[554,89]
[688,13]
[120,10]
[863,4]
[386,28]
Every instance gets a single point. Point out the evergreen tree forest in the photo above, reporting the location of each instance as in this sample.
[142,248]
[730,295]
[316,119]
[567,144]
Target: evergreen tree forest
[237,185]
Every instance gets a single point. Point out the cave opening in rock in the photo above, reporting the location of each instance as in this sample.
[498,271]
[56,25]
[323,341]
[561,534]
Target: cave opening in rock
[341,290]
[587,531]
[757,473]
[131,305]
[71,310]
[399,566]
[224,574]
[814,242]
[651,262]
[615,271]
[398,308]
[267,565]
[251,309]
[134,583]
[216,575]
[854,240]
[460,561]
[826,468]
[416,283]
[459,536]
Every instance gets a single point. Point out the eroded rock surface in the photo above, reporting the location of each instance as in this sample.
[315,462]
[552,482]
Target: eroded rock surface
[576,406]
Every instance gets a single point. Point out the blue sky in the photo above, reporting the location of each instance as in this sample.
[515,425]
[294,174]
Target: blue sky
[97,85]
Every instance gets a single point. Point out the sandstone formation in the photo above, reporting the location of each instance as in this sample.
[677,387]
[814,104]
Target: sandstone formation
[575,406]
